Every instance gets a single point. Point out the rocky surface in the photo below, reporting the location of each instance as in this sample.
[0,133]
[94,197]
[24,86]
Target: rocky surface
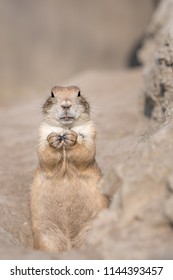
[157,57]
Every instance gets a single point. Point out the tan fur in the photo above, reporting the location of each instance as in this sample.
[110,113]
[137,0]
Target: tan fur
[64,195]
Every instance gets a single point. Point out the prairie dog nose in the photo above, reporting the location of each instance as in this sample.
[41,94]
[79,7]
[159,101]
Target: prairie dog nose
[66,104]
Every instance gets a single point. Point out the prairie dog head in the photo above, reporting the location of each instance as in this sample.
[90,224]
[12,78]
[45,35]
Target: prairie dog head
[66,107]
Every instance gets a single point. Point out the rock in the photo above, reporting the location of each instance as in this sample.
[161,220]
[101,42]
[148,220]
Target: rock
[157,57]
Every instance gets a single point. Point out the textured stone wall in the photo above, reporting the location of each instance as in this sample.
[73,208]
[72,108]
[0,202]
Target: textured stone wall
[157,58]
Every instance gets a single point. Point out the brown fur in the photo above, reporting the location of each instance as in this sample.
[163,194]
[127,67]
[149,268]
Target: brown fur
[64,195]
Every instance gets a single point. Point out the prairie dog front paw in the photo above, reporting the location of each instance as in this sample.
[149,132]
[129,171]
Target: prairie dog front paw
[70,138]
[55,140]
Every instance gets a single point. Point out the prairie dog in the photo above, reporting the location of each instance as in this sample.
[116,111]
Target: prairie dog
[64,194]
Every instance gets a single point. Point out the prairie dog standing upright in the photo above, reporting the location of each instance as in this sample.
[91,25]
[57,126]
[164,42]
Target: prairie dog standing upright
[64,195]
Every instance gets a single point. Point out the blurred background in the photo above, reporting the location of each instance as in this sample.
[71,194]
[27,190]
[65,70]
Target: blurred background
[45,42]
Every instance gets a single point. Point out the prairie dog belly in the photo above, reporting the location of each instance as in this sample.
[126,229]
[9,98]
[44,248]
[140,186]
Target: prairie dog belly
[66,195]
[66,204]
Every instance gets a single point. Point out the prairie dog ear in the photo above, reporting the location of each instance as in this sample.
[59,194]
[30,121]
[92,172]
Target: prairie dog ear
[78,93]
[52,94]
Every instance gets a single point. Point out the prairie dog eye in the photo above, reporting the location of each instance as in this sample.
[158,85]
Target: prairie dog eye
[78,93]
[52,94]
